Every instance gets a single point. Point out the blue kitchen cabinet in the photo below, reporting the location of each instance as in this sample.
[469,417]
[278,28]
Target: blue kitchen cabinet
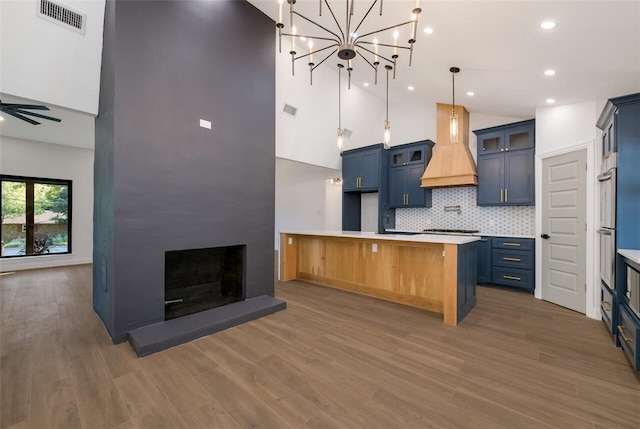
[361,169]
[484,260]
[490,190]
[506,164]
[512,262]
[406,166]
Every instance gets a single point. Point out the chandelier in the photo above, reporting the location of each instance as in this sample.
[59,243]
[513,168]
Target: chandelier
[345,41]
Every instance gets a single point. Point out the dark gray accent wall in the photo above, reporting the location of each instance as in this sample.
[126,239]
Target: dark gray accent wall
[164,183]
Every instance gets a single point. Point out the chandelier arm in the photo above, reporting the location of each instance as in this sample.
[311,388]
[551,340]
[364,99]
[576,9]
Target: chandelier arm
[359,44]
[371,52]
[368,62]
[337,42]
[365,16]
[325,58]
[316,24]
[335,20]
[316,51]
[383,29]
[349,15]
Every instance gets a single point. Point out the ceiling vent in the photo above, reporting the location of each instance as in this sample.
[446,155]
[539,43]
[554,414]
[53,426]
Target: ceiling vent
[62,15]
[290,110]
[346,133]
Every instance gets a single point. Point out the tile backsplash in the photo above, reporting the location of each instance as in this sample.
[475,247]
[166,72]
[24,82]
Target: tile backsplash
[511,220]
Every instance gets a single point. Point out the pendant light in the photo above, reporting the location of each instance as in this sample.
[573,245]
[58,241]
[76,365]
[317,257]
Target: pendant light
[453,119]
[340,130]
[387,124]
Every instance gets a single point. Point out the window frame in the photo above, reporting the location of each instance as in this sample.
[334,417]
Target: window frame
[44,181]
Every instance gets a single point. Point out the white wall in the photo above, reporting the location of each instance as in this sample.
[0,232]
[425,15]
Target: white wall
[47,62]
[560,130]
[301,197]
[37,159]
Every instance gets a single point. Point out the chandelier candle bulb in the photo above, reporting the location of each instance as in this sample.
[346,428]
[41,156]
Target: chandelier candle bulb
[310,51]
[395,42]
[375,47]
[280,10]
[293,38]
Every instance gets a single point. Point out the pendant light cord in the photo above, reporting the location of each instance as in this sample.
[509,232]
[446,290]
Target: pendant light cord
[339,104]
[387,94]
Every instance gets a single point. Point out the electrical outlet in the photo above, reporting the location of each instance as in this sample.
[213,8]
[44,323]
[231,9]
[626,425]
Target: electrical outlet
[290,240]
[374,248]
[205,124]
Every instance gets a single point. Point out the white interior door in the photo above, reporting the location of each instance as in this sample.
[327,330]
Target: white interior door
[563,239]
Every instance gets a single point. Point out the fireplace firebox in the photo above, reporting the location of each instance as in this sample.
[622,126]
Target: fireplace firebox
[201,279]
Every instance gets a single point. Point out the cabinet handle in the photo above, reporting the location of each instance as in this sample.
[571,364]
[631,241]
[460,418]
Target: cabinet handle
[605,306]
[621,330]
[506,195]
[511,244]
[511,259]
[511,278]
[501,195]
[407,199]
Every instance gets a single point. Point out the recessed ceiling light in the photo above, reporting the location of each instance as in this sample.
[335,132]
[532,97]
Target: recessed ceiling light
[366,84]
[550,72]
[547,25]
[1,119]
[550,100]
[471,93]
[410,88]
[428,30]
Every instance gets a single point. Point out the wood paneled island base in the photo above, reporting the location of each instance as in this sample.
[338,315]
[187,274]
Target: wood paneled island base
[433,272]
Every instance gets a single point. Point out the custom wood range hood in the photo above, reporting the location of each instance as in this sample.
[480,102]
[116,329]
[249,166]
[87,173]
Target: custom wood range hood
[451,164]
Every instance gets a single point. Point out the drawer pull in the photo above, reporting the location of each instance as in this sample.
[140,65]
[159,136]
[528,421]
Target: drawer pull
[504,258]
[511,278]
[621,330]
[511,244]
[605,306]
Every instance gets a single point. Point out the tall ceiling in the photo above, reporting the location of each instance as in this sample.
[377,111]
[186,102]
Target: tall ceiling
[499,46]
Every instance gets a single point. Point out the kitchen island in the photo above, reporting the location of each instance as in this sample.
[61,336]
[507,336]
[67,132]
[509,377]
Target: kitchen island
[433,272]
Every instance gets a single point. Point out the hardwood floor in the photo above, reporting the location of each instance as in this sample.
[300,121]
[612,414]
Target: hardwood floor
[331,360]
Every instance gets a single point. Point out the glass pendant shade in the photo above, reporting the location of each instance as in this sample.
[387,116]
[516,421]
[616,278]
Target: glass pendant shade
[387,134]
[453,127]
[340,142]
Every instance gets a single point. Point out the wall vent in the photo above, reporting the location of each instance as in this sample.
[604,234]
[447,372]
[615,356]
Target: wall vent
[346,133]
[62,15]
[290,110]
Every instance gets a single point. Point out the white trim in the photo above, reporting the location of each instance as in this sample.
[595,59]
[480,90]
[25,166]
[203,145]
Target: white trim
[591,274]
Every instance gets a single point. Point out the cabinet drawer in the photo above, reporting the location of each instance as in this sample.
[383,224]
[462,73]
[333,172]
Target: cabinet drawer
[627,331]
[513,243]
[513,277]
[607,304]
[522,259]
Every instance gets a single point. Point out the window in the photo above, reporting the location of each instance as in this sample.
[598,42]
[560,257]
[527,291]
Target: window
[36,216]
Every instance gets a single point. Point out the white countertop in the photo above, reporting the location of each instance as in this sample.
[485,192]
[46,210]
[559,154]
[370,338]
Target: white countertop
[418,238]
[631,254]
[479,234]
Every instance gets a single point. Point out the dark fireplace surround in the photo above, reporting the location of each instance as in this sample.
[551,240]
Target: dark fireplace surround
[201,279]
[168,191]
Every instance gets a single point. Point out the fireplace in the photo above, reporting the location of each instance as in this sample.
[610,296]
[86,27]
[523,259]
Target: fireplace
[196,280]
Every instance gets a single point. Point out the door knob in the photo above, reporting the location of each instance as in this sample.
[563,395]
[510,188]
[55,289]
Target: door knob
[545,236]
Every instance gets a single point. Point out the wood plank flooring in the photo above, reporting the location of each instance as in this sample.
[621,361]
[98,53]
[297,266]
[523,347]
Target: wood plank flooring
[333,359]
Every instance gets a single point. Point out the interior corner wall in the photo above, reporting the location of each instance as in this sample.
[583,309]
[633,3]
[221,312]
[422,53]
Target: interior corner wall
[563,129]
[33,47]
[38,159]
[301,197]
[175,184]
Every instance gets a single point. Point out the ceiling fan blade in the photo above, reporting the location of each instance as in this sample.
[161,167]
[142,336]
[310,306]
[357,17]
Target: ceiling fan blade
[37,115]
[25,106]
[19,116]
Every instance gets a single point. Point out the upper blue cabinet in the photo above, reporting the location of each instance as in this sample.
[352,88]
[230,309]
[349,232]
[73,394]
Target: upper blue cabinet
[407,163]
[361,169]
[506,164]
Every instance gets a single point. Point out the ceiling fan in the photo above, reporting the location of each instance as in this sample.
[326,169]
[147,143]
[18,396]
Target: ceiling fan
[19,110]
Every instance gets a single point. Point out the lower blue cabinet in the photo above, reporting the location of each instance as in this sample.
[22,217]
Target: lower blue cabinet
[507,261]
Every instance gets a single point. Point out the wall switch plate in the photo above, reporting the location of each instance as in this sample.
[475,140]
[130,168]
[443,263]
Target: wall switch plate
[205,124]
[374,248]
[290,240]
